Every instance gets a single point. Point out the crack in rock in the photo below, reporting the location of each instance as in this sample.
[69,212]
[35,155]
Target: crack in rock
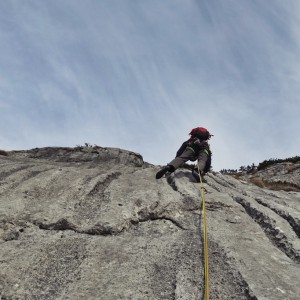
[268,225]
[100,186]
[294,222]
[164,218]
[217,205]
[145,215]
[172,184]
[64,224]
[104,229]
[210,184]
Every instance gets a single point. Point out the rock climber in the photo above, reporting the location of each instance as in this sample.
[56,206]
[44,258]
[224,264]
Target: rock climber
[196,147]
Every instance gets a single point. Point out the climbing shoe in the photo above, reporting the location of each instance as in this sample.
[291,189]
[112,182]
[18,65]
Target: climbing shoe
[164,170]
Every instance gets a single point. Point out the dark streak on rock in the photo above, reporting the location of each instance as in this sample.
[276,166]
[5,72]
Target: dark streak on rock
[294,222]
[278,238]
[100,186]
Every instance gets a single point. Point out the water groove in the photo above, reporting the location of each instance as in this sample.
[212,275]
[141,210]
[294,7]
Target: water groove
[268,225]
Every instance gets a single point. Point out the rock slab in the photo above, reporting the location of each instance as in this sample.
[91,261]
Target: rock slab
[93,223]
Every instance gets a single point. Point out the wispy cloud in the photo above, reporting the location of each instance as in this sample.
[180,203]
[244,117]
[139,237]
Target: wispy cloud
[139,75]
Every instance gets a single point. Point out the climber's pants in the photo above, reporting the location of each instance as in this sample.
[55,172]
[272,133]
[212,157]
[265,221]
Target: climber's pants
[188,154]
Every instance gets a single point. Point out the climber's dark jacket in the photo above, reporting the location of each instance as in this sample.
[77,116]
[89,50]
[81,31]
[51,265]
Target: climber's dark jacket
[192,150]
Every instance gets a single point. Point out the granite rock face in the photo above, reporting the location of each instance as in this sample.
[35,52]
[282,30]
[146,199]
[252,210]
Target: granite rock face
[286,175]
[94,223]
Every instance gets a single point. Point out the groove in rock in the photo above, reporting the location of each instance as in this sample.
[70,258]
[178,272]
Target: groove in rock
[63,224]
[101,229]
[6,174]
[172,184]
[152,216]
[100,186]
[277,237]
[295,223]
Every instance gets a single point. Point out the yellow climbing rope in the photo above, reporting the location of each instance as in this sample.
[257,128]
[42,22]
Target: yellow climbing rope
[205,238]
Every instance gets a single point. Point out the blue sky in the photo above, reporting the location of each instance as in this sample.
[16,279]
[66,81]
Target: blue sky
[139,75]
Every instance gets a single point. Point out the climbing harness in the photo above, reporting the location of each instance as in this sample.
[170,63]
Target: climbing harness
[205,238]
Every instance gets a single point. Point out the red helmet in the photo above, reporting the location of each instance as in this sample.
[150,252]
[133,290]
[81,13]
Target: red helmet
[201,133]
